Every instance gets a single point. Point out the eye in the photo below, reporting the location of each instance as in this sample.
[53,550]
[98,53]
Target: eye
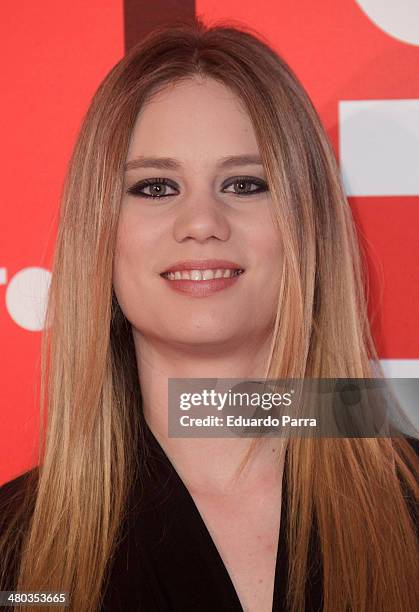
[245,185]
[157,187]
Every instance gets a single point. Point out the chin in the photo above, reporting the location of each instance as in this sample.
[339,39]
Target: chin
[203,337]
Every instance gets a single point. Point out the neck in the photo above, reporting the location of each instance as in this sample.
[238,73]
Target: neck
[157,362]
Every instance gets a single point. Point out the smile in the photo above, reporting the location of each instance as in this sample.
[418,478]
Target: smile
[202,283]
[201,275]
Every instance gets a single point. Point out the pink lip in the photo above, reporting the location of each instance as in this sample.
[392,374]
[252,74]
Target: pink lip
[203,264]
[201,288]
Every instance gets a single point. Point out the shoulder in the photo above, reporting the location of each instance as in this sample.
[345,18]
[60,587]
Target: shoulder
[19,484]
[17,497]
[413,443]
[408,448]
[15,493]
[408,486]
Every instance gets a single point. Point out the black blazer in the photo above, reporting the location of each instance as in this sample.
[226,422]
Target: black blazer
[166,560]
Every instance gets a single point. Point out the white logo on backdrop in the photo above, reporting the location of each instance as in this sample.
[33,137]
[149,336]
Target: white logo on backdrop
[26,296]
[398,19]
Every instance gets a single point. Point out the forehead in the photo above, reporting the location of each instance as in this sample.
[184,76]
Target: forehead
[194,118]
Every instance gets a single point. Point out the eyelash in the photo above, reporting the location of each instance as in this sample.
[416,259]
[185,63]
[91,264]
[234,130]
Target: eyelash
[136,189]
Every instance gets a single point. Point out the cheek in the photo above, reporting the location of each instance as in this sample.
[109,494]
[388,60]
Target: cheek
[134,242]
[130,255]
[266,244]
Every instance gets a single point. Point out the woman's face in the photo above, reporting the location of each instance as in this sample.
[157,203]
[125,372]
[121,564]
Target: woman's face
[185,212]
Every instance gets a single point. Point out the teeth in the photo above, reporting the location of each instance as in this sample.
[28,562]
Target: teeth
[198,275]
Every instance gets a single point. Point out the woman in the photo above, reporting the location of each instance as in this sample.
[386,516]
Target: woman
[201,150]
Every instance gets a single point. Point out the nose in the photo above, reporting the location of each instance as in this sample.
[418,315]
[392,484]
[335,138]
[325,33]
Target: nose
[201,219]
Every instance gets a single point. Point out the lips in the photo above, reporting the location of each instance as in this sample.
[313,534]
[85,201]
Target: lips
[203,264]
[202,278]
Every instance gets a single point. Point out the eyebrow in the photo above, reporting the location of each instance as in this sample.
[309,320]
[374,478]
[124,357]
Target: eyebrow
[169,163]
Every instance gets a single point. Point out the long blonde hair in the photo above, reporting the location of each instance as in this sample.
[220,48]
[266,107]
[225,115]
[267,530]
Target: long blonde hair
[90,394]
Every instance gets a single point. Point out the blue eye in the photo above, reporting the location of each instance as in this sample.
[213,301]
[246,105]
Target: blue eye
[158,187]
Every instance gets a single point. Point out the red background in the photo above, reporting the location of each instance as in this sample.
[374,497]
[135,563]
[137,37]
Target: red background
[54,56]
